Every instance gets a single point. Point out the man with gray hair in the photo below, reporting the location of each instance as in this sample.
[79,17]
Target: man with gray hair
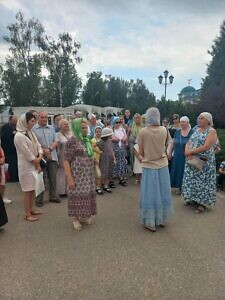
[46,137]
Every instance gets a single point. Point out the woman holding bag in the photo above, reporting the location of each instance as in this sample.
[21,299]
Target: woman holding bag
[29,154]
[199,183]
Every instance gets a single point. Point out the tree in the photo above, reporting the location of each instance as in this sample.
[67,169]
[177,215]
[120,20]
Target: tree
[139,97]
[213,89]
[61,57]
[22,70]
[94,92]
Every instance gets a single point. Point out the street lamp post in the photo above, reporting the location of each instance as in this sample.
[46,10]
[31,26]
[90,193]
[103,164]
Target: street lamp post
[166,82]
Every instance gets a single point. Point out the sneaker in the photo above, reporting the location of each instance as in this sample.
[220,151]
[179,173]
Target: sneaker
[7,201]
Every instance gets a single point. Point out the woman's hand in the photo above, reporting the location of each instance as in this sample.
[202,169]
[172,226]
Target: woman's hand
[2,161]
[140,158]
[188,152]
[70,183]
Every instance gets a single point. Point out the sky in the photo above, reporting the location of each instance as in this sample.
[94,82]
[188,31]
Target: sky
[130,39]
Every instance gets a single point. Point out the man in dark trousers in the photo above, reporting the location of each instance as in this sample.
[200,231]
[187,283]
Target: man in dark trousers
[8,132]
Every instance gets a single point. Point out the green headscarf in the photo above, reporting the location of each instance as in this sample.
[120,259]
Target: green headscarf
[76,127]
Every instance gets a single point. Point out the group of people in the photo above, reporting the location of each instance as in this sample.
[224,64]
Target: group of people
[89,155]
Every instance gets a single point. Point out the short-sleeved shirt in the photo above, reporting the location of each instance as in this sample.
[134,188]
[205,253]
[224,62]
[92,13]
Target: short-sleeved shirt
[222,165]
[154,141]
[46,136]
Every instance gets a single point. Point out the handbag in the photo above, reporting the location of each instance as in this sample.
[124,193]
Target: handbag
[39,183]
[197,162]
[43,163]
[3,214]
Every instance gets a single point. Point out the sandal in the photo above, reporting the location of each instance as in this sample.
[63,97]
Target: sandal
[200,209]
[107,189]
[31,218]
[36,213]
[150,228]
[77,226]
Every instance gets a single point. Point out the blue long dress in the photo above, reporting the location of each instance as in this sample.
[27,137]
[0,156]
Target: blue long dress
[178,162]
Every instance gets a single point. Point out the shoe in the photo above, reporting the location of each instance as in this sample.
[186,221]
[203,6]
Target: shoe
[150,228]
[7,201]
[99,191]
[63,195]
[31,218]
[123,182]
[107,189]
[36,213]
[39,204]
[112,185]
[87,221]
[55,200]
[77,226]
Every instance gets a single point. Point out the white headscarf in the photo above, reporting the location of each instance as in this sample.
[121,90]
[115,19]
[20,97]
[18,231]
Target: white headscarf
[207,116]
[21,125]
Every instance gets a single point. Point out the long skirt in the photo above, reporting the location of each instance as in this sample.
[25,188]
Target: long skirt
[156,199]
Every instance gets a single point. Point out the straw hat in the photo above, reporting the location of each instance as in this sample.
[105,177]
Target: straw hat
[106,132]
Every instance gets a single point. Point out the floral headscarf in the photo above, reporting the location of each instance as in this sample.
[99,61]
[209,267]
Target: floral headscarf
[76,127]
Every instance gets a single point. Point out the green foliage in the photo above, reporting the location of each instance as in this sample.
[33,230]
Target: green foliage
[60,59]
[221,155]
[22,82]
[117,92]
[213,90]
[22,70]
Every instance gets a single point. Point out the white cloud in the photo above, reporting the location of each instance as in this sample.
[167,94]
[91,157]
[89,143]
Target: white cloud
[143,35]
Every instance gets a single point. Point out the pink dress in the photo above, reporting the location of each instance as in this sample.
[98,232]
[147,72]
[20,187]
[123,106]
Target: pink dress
[26,152]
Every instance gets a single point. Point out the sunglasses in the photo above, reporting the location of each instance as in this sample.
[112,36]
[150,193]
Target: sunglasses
[118,122]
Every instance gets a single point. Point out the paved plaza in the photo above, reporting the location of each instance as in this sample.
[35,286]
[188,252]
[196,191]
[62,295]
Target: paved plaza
[115,258]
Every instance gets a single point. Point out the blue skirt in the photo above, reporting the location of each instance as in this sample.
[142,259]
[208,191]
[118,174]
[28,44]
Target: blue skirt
[156,198]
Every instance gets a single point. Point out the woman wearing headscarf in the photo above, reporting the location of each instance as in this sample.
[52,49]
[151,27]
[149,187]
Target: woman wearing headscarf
[177,147]
[119,140]
[199,183]
[61,138]
[156,199]
[29,154]
[80,173]
[135,128]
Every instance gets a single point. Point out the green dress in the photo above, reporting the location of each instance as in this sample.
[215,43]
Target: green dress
[200,186]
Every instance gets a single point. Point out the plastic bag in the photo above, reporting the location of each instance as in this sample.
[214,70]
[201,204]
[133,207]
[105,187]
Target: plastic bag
[39,183]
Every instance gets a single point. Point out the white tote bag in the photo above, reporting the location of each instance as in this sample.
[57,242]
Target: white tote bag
[39,183]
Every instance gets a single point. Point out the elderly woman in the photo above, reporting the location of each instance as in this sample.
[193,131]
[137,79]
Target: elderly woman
[156,199]
[80,173]
[119,140]
[177,147]
[199,183]
[29,154]
[135,128]
[61,138]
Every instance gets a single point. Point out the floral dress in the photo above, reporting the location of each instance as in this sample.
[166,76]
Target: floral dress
[200,185]
[81,199]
